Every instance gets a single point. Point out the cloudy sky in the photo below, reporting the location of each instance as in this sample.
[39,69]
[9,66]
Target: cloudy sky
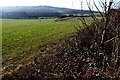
[56,3]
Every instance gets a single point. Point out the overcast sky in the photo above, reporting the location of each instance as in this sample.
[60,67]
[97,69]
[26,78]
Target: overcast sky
[56,3]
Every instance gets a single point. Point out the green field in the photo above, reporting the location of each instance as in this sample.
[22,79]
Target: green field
[21,38]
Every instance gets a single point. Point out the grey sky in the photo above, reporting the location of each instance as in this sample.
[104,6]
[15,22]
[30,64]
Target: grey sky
[56,3]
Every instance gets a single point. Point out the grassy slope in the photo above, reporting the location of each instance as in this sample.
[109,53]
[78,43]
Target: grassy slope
[25,37]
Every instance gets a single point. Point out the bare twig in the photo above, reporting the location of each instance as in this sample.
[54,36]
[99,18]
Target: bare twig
[83,21]
[111,39]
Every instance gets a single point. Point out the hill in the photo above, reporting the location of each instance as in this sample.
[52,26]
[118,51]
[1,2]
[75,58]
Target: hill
[38,11]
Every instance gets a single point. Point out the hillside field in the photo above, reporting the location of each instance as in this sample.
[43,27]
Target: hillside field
[21,38]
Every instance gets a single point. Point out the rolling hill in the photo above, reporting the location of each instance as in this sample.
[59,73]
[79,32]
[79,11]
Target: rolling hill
[38,11]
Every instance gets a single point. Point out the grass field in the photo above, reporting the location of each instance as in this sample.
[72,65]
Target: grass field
[22,37]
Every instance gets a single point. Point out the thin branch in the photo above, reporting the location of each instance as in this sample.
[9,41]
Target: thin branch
[82,11]
[98,9]
[111,39]
[92,15]
[101,5]
[83,22]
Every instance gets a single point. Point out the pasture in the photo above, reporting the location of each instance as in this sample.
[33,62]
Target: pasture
[22,38]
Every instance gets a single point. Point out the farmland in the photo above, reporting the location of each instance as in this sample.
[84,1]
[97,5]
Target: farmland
[23,37]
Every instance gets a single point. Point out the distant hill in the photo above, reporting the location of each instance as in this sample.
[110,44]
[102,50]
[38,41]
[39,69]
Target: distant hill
[38,11]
